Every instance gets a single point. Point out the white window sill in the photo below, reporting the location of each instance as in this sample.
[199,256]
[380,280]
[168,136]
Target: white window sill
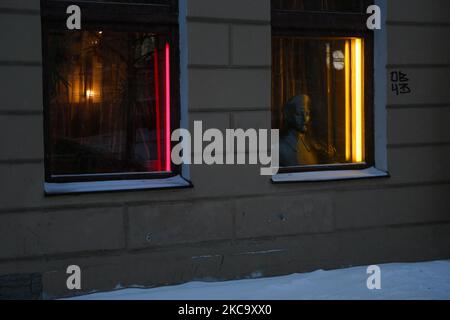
[116,185]
[337,175]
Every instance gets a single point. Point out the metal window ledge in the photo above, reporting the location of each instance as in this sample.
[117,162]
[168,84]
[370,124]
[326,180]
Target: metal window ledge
[337,175]
[116,185]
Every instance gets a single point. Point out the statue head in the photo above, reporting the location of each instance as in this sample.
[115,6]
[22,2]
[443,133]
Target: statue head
[297,113]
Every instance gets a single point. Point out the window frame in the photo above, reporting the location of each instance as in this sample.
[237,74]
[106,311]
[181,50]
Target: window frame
[138,17]
[335,24]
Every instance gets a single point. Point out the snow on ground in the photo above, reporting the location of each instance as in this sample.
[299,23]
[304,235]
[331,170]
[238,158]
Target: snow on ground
[430,280]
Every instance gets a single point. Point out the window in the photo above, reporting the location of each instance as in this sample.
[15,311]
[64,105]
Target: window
[322,84]
[111,90]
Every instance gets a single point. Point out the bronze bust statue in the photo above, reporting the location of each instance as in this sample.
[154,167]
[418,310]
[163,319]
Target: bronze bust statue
[296,118]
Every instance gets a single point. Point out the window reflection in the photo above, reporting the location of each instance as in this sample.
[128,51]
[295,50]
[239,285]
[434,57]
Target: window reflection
[107,107]
[318,105]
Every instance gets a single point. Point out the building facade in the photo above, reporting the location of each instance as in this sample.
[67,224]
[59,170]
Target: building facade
[232,222]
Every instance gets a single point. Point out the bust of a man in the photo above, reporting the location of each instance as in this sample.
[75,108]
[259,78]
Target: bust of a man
[296,117]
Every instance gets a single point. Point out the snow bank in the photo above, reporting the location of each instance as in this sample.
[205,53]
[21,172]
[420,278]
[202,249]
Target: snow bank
[430,280]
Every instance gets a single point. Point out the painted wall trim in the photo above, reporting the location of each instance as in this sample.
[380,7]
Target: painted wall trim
[184,76]
[380,90]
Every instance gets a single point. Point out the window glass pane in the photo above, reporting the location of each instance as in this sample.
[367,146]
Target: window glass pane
[317,100]
[319,5]
[107,102]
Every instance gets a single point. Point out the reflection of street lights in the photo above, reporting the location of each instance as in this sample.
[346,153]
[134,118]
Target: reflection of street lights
[90,93]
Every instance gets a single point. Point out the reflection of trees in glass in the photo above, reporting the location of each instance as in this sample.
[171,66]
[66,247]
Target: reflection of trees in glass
[102,104]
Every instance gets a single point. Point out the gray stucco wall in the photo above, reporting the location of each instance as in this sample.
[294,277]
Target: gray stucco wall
[234,223]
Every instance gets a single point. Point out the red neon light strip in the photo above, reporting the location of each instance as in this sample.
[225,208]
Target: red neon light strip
[168,158]
[158,106]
